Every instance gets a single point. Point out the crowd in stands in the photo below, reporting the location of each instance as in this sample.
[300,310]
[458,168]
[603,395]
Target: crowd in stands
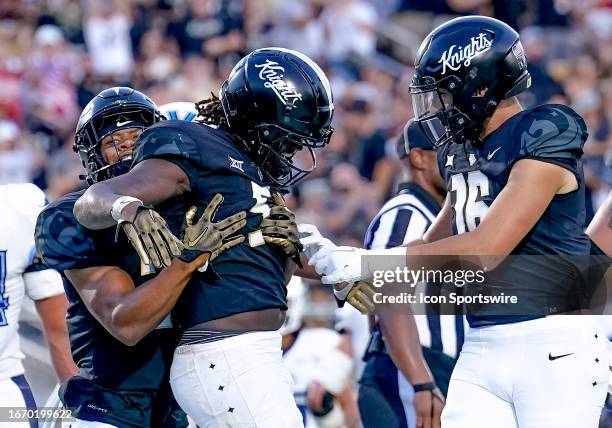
[55,55]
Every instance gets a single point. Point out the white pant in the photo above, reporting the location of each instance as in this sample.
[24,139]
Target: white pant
[236,382]
[546,373]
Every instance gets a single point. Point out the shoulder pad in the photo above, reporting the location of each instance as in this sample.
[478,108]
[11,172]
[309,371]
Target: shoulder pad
[553,132]
[167,140]
[62,241]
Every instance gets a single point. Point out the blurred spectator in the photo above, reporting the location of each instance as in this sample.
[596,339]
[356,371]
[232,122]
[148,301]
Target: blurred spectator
[209,29]
[350,27]
[55,55]
[297,28]
[63,172]
[17,162]
[107,36]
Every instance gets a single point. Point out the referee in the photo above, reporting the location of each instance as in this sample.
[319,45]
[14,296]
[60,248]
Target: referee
[397,388]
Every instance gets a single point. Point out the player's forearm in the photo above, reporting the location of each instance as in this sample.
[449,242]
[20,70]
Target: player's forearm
[402,343]
[137,313]
[61,358]
[306,271]
[53,314]
[151,181]
[93,208]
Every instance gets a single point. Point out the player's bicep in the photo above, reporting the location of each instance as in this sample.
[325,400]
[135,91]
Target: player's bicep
[101,289]
[442,226]
[152,181]
[519,205]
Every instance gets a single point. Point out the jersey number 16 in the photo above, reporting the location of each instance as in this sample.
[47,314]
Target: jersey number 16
[467,193]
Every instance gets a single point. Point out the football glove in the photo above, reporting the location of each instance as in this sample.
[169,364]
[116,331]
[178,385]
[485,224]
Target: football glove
[318,249]
[206,236]
[149,235]
[280,228]
[359,294]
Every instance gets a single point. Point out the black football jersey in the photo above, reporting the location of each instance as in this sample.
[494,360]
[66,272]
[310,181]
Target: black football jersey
[476,174]
[252,273]
[109,370]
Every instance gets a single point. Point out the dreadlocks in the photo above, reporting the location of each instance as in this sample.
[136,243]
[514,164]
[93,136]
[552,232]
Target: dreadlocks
[210,111]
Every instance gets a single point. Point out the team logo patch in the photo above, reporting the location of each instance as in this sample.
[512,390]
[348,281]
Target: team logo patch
[234,163]
[272,73]
[455,56]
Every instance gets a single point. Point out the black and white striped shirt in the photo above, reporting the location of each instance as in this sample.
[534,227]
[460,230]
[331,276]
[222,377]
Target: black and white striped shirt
[405,218]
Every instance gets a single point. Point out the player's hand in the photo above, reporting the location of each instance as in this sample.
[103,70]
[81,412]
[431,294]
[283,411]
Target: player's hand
[327,258]
[428,407]
[150,236]
[280,228]
[206,236]
[339,264]
[360,295]
[312,241]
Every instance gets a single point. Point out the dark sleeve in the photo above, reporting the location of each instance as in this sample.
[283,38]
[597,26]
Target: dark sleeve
[63,243]
[552,133]
[171,144]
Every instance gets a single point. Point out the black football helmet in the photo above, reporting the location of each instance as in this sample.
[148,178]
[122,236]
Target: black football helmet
[464,68]
[111,110]
[278,101]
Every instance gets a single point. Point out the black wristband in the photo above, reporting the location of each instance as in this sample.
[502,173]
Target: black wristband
[428,386]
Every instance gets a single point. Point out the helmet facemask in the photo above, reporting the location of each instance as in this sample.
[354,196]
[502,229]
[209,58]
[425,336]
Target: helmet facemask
[277,147]
[89,140]
[448,111]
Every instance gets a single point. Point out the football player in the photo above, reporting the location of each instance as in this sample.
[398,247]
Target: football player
[22,273]
[227,369]
[121,337]
[515,187]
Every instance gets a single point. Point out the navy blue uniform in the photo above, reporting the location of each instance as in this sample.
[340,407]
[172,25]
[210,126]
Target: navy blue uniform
[126,386]
[251,274]
[476,174]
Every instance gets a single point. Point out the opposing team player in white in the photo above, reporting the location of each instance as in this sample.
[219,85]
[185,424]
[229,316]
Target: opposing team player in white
[21,273]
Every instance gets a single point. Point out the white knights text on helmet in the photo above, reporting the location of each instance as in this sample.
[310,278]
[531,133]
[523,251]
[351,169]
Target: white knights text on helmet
[454,56]
[273,75]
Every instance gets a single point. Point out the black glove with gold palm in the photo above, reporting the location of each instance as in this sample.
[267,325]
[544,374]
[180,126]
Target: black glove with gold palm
[206,236]
[280,228]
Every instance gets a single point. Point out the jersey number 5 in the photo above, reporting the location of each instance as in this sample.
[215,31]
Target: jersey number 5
[467,192]
[261,195]
[4,301]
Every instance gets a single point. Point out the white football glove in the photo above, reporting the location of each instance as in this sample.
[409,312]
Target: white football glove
[339,264]
[312,240]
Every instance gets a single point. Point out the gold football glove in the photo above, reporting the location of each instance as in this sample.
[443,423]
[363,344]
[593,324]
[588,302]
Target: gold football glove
[280,228]
[150,236]
[206,236]
[359,294]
